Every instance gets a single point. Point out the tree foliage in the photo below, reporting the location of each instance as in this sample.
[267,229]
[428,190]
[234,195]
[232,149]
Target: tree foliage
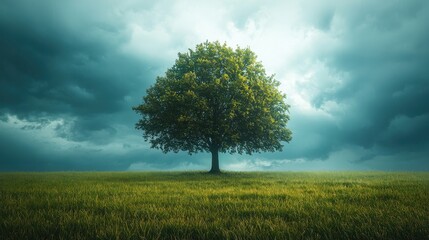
[215,99]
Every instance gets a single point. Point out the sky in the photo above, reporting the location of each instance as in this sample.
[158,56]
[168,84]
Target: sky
[355,73]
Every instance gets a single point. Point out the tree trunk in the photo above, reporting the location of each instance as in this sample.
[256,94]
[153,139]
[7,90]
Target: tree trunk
[215,161]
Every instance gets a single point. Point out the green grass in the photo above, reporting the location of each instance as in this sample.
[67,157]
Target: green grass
[195,205]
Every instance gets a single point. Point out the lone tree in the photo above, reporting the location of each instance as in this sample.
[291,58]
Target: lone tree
[215,99]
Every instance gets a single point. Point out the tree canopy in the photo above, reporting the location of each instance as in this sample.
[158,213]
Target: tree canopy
[215,99]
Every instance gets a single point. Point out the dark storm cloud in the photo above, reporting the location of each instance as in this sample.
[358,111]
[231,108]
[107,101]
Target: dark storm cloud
[70,71]
[56,70]
[385,56]
[59,61]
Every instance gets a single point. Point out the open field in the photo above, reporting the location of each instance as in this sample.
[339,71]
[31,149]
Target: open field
[194,205]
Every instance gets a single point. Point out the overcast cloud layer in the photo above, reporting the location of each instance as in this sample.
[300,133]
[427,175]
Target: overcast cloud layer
[356,74]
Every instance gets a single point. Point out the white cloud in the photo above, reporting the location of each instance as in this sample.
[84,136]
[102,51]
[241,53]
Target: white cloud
[51,134]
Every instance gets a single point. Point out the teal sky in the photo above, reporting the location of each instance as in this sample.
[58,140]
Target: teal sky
[355,72]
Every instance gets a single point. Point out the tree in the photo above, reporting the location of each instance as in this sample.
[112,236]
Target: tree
[215,99]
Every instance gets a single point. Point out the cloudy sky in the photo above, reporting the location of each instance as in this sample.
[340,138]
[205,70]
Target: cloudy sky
[356,75]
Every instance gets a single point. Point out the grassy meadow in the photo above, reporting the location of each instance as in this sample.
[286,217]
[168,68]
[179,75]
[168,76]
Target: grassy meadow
[232,205]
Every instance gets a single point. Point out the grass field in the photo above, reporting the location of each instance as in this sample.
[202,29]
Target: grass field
[194,205]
